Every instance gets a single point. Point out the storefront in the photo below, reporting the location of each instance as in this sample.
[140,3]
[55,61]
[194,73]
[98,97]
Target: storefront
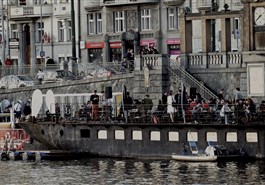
[148,43]
[173,48]
[115,51]
[95,51]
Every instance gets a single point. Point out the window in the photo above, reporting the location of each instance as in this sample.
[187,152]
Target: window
[155,136]
[37,2]
[90,24]
[173,136]
[99,23]
[119,21]
[119,135]
[137,135]
[61,31]
[173,18]
[146,19]
[69,30]
[40,31]
[14,31]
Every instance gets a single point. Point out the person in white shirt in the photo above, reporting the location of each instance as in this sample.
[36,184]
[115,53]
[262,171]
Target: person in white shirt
[17,110]
[40,76]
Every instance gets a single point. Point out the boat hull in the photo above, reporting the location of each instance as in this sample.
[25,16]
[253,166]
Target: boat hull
[137,140]
[195,158]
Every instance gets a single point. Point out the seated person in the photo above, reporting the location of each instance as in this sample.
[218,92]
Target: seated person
[262,109]
[82,112]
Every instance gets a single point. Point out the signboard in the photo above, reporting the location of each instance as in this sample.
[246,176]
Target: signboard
[94,45]
[115,45]
[42,53]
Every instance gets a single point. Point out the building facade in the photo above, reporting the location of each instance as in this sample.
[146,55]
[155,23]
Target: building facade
[105,29]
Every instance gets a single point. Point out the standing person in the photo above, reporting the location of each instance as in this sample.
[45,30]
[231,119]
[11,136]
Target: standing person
[170,109]
[147,103]
[94,98]
[221,94]
[40,76]
[164,100]
[128,102]
[27,109]
[238,95]
[57,110]
[17,110]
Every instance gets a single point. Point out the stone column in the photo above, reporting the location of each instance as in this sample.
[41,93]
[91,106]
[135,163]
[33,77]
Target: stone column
[106,50]
[206,35]
[123,49]
[20,50]
[226,35]
[32,47]
[185,40]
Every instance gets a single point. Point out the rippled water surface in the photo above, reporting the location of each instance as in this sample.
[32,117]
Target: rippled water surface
[114,171]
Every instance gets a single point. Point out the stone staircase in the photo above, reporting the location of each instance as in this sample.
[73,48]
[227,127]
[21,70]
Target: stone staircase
[178,72]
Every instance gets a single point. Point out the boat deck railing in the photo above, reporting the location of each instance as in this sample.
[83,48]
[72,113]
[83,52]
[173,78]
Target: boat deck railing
[142,113]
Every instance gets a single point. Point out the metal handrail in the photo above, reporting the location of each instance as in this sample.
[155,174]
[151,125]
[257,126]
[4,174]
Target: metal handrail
[189,81]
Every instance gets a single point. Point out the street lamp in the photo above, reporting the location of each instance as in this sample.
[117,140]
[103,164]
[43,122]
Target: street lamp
[73,38]
[41,39]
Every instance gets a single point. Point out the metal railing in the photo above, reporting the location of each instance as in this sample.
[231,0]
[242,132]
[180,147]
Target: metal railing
[149,114]
[189,81]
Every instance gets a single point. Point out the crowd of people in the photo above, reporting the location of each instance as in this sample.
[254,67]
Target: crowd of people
[196,109]
[174,105]
[19,108]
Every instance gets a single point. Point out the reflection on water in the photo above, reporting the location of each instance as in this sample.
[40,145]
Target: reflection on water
[114,171]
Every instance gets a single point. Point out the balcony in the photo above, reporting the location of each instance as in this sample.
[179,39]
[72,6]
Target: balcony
[125,2]
[92,5]
[174,2]
[30,11]
[207,5]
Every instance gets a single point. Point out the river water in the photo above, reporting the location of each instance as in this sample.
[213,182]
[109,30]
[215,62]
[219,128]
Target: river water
[104,171]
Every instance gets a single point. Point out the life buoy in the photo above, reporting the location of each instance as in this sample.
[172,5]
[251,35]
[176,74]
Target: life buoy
[8,136]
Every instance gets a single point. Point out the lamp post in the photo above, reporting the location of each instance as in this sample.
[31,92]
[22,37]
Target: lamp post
[73,38]
[41,39]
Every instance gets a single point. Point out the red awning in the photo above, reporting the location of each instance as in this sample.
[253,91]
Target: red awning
[115,45]
[91,45]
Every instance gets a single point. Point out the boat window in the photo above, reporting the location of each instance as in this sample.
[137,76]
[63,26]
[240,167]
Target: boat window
[137,135]
[252,137]
[155,136]
[192,136]
[231,137]
[173,136]
[211,136]
[85,133]
[102,134]
[119,134]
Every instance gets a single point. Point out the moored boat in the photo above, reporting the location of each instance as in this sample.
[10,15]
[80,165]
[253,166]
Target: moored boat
[140,138]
